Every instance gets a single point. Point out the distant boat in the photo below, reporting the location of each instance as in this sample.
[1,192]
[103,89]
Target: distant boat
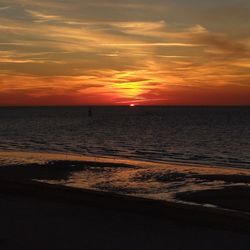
[90,114]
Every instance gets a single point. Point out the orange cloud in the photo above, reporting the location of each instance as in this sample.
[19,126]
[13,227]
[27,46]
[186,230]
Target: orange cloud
[118,52]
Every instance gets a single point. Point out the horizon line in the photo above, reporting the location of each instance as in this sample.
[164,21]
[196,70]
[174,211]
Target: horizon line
[128,105]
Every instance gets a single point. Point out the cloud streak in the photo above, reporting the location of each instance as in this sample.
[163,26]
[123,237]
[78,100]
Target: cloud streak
[116,52]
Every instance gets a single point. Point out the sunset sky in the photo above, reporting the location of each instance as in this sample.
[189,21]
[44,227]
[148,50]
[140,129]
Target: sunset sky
[118,52]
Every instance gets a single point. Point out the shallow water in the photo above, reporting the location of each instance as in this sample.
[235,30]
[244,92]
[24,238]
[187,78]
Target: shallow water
[202,135]
[162,181]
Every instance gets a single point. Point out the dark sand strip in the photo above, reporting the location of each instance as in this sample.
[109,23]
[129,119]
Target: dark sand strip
[42,216]
[233,197]
[36,215]
[212,217]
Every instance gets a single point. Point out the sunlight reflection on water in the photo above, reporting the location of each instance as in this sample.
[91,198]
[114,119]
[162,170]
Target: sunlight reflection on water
[130,177]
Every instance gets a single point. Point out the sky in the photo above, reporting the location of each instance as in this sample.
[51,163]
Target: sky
[118,52]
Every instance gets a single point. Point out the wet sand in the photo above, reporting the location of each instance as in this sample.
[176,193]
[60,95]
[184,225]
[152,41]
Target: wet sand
[233,194]
[234,197]
[38,215]
[43,216]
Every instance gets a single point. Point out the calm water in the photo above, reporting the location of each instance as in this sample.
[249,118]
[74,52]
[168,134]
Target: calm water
[211,136]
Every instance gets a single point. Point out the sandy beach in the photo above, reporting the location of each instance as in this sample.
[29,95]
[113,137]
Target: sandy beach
[40,215]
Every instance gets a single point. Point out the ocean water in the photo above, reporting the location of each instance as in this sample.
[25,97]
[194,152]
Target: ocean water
[217,136]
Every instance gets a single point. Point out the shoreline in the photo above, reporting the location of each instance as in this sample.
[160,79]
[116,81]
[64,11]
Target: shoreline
[43,216]
[40,215]
[197,186]
[124,159]
[44,156]
[180,212]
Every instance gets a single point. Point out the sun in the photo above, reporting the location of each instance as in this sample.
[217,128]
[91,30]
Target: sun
[132,105]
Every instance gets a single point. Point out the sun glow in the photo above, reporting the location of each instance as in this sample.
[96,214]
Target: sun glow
[132,105]
[58,53]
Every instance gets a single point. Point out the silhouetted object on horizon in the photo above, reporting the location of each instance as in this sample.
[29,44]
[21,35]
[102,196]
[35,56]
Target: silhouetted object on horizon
[90,114]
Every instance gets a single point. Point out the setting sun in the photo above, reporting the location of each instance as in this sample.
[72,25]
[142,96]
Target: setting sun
[131,105]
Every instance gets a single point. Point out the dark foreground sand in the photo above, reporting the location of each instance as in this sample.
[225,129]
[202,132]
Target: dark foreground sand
[42,216]
[37,215]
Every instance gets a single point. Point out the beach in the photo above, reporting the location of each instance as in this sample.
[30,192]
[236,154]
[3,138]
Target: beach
[43,215]
[33,220]
[49,218]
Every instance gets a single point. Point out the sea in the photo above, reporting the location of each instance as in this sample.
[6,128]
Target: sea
[213,136]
